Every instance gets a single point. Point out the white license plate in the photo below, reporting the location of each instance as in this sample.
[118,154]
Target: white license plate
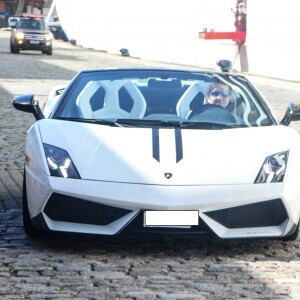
[171,217]
[34,42]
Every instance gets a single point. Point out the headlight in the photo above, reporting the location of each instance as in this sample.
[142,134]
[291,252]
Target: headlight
[59,162]
[20,35]
[48,36]
[273,169]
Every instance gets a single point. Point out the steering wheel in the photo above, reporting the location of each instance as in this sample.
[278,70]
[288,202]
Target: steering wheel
[212,113]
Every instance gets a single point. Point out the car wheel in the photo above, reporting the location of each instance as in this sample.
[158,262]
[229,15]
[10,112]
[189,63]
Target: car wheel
[49,52]
[293,236]
[11,48]
[16,50]
[29,228]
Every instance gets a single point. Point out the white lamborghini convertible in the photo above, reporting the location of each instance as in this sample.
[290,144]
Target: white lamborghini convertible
[161,151]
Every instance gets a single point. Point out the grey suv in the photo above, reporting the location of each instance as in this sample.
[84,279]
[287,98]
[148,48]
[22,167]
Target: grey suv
[31,34]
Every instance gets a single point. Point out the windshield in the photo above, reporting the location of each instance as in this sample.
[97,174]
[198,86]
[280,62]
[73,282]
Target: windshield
[34,24]
[164,98]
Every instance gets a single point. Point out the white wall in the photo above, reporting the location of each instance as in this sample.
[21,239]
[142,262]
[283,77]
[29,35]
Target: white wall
[273,38]
[167,30]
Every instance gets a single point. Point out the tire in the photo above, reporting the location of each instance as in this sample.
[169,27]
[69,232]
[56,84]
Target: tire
[29,228]
[293,236]
[11,48]
[49,51]
[16,50]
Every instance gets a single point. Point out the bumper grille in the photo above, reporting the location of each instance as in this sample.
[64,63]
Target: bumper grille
[74,210]
[34,37]
[263,214]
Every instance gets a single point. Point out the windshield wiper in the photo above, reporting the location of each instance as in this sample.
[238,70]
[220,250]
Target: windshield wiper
[211,125]
[92,121]
[173,124]
[149,123]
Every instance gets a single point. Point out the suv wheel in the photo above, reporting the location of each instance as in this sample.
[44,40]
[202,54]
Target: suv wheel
[49,51]
[14,49]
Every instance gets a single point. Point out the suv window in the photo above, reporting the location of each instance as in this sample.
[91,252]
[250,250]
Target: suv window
[31,24]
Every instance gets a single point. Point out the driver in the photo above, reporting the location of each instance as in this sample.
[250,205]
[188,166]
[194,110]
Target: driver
[218,106]
[219,94]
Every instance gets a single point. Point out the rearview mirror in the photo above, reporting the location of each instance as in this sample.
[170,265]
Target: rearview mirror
[28,103]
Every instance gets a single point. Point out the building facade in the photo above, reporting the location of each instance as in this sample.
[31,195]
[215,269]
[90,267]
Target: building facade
[17,7]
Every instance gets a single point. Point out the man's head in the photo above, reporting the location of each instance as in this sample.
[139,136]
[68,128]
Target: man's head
[219,94]
[240,6]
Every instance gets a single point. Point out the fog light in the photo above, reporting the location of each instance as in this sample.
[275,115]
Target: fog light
[20,42]
[47,43]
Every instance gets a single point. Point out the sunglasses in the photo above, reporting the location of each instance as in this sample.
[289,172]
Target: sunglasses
[217,93]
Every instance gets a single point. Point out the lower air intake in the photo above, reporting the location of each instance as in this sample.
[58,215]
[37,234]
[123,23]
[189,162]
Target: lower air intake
[263,214]
[74,210]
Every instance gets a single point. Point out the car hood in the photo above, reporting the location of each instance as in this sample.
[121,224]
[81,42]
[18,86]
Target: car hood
[166,156]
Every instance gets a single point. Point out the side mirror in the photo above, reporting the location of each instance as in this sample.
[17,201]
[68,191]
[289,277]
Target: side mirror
[292,114]
[28,103]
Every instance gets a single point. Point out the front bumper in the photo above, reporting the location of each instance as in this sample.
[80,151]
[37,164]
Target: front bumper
[107,208]
[65,213]
[33,45]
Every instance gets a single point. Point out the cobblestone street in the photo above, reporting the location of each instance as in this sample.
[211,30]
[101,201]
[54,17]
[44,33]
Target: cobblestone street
[89,267]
